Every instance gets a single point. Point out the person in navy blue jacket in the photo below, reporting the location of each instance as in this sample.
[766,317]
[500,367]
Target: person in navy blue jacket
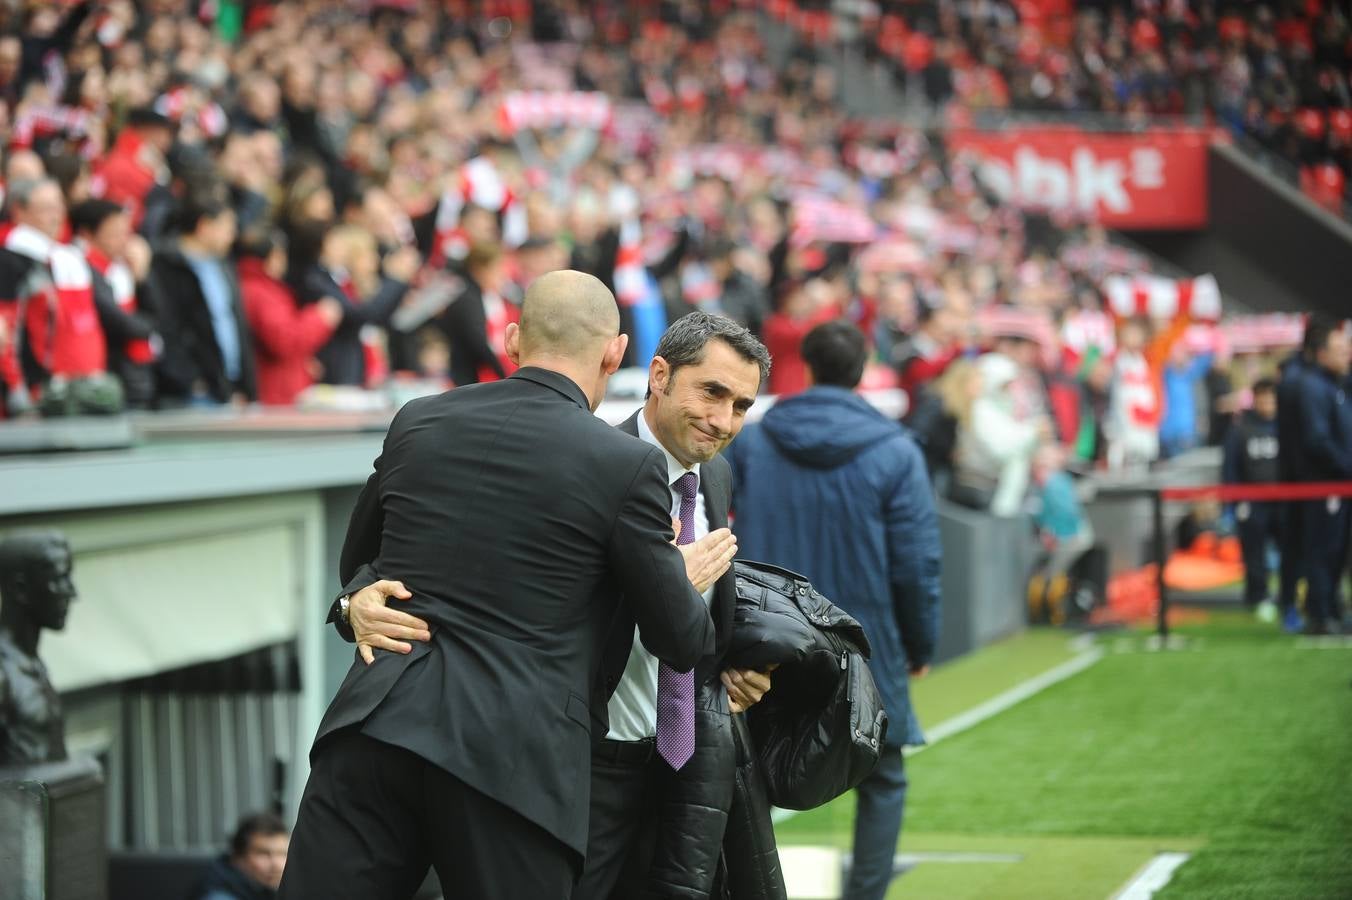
[827,486]
[1326,453]
[1289,467]
[1251,457]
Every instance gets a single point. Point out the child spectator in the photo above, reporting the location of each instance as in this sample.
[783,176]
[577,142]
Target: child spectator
[1062,526]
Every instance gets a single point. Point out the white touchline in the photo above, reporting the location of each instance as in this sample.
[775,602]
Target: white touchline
[996,705]
[1153,876]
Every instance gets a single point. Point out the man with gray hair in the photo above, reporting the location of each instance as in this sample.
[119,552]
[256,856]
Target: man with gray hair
[46,298]
[703,379]
[517,520]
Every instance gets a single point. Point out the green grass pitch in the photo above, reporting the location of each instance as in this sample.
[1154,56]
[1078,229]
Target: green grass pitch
[1236,748]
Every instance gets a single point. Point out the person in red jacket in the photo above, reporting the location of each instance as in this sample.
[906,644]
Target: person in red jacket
[46,297]
[286,335]
[805,307]
[136,162]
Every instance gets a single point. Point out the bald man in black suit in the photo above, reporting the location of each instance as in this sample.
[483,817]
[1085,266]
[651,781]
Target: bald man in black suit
[515,518]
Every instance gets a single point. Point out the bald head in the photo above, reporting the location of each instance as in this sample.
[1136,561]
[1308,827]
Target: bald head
[567,314]
[570,325]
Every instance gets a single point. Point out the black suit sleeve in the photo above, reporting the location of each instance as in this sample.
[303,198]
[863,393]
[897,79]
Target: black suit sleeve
[175,365]
[362,543]
[361,546]
[119,326]
[364,577]
[673,622]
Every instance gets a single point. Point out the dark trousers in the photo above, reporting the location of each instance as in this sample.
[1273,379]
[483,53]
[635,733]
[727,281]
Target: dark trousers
[627,783]
[1292,548]
[375,816]
[1258,524]
[1325,533]
[877,825]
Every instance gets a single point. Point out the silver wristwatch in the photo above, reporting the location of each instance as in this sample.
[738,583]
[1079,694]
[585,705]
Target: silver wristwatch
[345,609]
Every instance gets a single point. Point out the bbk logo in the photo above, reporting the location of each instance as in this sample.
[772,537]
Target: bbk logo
[1087,184]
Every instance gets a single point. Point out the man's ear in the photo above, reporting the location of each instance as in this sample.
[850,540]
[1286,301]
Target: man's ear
[614,356]
[659,375]
[512,343]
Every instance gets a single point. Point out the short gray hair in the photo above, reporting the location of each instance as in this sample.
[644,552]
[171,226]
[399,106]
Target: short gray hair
[21,192]
[683,343]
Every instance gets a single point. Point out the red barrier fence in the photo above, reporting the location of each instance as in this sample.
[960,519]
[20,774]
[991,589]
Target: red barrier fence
[1276,492]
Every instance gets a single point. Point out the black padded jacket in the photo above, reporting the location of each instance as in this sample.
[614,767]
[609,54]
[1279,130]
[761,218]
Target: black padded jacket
[815,735]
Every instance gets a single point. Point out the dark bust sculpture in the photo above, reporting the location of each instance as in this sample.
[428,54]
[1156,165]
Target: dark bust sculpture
[35,593]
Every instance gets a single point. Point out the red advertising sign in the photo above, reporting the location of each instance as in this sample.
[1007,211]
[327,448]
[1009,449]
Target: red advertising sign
[1148,180]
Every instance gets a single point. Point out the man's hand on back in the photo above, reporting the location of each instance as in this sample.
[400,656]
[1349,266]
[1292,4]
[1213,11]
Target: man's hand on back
[709,557]
[374,624]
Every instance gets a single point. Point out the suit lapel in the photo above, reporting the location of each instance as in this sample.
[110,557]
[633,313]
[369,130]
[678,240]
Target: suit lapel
[717,497]
[716,488]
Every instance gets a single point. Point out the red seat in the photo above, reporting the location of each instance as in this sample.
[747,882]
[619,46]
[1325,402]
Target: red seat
[1325,184]
[1340,125]
[1311,124]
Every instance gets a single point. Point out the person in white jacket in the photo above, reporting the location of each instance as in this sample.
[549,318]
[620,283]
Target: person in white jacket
[997,450]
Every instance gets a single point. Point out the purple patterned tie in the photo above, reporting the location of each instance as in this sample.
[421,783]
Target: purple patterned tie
[676,690]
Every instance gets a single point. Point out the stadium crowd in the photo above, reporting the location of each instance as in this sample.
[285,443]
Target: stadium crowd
[226,203]
[1276,75]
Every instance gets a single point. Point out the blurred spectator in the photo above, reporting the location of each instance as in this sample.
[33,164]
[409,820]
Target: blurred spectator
[137,162]
[995,455]
[1291,466]
[1325,438]
[324,260]
[286,336]
[806,306]
[941,411]
[1184,375]
[47,291]
[119,261]
[740,296]
[1222,399]
[929,350]
[252,869]
[810,496]
[1251,457]
[1132,427]
[192,292]
[475,323]
[1065,531]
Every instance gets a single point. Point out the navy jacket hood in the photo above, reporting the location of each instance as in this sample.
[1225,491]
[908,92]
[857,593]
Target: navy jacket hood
[826,427]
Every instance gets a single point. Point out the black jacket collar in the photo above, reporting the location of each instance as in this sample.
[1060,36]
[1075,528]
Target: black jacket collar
[555,381]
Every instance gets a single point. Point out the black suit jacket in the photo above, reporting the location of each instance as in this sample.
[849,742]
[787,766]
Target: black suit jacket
[466,328]
[516,518]
[173,298]
[716,486]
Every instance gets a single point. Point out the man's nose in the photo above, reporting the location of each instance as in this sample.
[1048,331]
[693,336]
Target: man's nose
[720,417]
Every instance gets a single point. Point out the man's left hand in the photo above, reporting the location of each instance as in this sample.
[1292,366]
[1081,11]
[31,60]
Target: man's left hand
[745,687]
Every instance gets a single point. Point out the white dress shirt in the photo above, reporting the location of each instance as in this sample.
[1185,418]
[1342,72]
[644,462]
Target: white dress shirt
[633,706]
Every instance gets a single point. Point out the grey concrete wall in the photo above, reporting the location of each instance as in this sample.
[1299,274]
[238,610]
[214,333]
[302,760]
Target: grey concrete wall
[985,575]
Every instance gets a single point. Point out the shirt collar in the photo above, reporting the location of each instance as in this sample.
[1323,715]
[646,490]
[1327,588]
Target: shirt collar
[674,469]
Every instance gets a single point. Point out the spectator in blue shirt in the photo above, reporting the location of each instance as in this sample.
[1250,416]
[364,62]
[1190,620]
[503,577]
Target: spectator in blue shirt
[1182,376]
